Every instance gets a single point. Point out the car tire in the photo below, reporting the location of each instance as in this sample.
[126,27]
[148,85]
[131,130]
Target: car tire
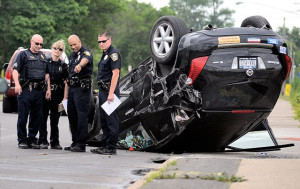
[8,104]
[164,38]
[256,21]
[94,125]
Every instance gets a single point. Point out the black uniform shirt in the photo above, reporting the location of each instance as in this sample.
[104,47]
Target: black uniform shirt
[110,60]
[75,59]
[58,71]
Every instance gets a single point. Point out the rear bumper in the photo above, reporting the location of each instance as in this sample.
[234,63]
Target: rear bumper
[11,92]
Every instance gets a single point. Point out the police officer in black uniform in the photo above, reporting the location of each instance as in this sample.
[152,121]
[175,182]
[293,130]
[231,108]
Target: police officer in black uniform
[30,73]
[79,81]
[58,72]
[108,80]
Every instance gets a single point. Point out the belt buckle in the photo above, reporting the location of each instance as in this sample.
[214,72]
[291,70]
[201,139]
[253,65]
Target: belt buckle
[30,87]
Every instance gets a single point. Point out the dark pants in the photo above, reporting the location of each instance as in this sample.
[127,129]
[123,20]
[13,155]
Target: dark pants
[78,110]
[52,106]
[109,124]
[29,103]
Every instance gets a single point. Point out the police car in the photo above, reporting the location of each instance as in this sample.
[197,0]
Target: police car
[203,90]
[10,104]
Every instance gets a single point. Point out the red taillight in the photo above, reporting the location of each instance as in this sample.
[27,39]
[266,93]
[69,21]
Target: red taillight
[242,111]
[196,67]
[289,65]
[8,76]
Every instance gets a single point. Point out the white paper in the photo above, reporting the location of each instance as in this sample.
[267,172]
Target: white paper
[61,107]
[65,104]
[110,107]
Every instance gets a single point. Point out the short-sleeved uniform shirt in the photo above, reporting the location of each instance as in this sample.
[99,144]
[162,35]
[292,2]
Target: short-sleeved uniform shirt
[29,67]
[58,71]
[110,60]
[75,59]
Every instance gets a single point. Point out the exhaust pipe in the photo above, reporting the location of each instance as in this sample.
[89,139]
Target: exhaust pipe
[267,26]
[208,27]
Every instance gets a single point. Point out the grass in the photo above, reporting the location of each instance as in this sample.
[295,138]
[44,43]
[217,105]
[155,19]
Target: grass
[159,174]
[222,177]
[295,97]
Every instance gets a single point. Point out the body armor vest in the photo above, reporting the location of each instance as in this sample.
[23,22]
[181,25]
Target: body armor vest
[35,69]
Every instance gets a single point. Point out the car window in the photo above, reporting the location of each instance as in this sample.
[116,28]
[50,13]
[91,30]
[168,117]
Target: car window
[47,53]
[15,58]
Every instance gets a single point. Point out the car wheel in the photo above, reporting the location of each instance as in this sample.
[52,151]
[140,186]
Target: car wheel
[8,104]
[164,38]
[256,21]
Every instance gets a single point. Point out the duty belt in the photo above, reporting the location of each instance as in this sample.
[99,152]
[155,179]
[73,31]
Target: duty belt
[104,85]
[36,85]
[55,87]
[74,82]
[84,83]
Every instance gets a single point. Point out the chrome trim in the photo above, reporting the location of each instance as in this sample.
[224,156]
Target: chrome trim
[239,45]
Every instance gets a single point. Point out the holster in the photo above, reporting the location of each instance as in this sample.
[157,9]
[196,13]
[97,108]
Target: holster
[104,85]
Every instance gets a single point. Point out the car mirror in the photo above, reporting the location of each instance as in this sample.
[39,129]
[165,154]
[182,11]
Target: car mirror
[5,65]
[3,86]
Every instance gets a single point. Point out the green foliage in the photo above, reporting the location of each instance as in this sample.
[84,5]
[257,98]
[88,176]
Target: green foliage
[129,22]
[172,163]
[295,97]
[293,42]
[99,16]
[20,19]
[131,28]
[199,13]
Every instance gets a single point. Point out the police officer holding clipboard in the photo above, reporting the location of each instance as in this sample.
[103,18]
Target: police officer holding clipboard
[108,80]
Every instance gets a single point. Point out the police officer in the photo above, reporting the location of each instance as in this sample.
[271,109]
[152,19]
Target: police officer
[58,72]
[79,81]
[30,73]
[108,79]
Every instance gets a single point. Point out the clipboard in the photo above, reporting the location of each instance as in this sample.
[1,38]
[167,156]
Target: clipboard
[112,106]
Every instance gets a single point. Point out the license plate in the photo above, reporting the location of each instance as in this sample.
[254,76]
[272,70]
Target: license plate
[247,62]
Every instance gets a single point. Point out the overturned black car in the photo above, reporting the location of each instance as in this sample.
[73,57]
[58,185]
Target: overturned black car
[200,91]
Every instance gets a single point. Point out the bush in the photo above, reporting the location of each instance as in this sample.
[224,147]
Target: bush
[295,97]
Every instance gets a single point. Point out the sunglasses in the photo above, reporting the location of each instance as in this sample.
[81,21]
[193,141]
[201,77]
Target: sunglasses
[36,43]
[60,49]
[104,41]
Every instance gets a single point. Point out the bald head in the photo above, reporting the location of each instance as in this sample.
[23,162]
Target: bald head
[36,43]
[74,43]
[36,37]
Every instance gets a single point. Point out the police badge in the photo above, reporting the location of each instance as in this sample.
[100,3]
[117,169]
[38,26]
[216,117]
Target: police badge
[87,53]
[114,56]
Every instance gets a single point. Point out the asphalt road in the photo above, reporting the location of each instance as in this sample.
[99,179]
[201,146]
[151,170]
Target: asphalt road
[51,169]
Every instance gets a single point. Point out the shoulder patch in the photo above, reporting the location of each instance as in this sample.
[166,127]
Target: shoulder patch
[42,56]
[114,56]
[87,53]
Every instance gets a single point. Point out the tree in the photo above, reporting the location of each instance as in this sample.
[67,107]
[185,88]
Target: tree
[20,19]
[131,28]
[199,13]
[293,40]
[100,14]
